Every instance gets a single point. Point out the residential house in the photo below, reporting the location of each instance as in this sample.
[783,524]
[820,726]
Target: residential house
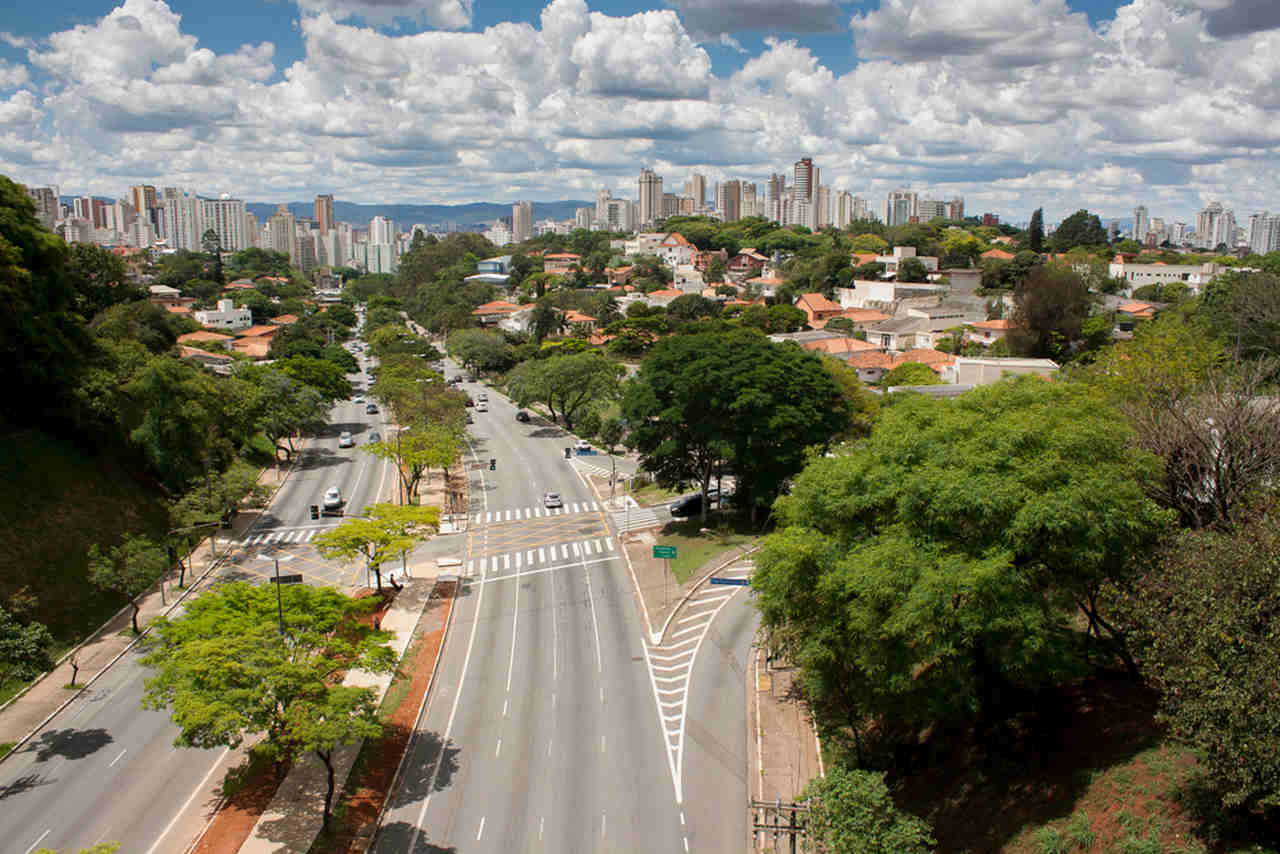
[493,313]
[901,333]
[871,365]
[204,336]
[493,271]
[818,309]
[989,331]
[745,264]
[930,358]
[902,253]
[664,297]
[702,260]
[561,262]
[266,331]
[676,250]
[766,286]
[841,348]
[255,347]
[240,285]
[985,371]
[688,279]
[167,297]
[225,316]
[576,318]
[285,320]
[644,243]
[998,255]
[618,275]
[204,357]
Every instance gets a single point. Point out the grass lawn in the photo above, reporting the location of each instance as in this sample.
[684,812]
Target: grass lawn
[654,494]
[693,548]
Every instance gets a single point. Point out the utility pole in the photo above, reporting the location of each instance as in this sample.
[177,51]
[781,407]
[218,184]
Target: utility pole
[279,600]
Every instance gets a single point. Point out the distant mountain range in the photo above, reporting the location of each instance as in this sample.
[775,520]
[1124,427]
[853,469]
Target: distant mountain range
[436,217]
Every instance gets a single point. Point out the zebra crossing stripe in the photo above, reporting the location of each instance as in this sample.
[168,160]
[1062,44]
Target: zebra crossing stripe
[543,555]
[517,561]
[609,542]
[528,556]
[471,566]
[506,561]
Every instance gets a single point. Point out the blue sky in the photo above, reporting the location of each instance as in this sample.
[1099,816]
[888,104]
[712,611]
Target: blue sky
[1013,104]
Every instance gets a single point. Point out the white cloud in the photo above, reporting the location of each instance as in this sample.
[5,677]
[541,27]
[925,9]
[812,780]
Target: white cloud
[1002,33]
[16,41]
[1027,107]
[11,75]
[1228,18]
[444,14]
[707,19]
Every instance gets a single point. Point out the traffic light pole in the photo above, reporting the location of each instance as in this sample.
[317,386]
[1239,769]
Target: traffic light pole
[279,600]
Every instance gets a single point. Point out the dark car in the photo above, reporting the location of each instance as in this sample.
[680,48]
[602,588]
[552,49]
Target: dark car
[692,504]
[470,402]
[375,436]
[371,409]
[469,421]
[522,417]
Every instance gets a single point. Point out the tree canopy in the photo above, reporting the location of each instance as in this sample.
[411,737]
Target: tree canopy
[568,385]
[923,575]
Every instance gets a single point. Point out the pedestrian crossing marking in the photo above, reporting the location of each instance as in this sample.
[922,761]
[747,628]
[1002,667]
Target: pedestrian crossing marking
[518,514]
[528,559]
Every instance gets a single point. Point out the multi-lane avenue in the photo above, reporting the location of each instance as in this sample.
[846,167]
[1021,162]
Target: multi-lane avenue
[542,732]
[105,770]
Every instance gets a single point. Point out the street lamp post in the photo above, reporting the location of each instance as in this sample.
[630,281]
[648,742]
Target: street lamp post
[279,599]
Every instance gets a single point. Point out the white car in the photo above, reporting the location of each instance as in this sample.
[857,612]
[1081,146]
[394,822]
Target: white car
[346,440]
[332,498]
[582,445]
[482,396]
[481,406]
[552,500]
[359,398]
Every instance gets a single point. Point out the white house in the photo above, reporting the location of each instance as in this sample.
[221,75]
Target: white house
[226,316]
[901,253]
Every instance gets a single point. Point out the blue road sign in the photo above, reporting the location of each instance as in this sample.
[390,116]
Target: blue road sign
[736,582]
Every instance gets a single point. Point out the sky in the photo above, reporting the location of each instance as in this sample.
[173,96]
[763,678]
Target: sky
[1012,104]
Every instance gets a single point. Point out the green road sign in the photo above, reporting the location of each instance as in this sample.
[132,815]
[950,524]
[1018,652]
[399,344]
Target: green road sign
[665,552]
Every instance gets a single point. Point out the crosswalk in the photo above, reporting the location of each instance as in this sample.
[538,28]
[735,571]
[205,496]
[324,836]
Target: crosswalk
[591,468]
[515,561]
[671,660]
[517,513]
[294,535]
[639,517]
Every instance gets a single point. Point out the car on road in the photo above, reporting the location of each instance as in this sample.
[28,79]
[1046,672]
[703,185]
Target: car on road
[375,436]
[371,409]
[552,500]
[582,445]
[522,417]
[692,505]
[332,498]
[482,407]
[359,398]
[470,420]
[483,396]
[454,380]
[346,440]
[470,402]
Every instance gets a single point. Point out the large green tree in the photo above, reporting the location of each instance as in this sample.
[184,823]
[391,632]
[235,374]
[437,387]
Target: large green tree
[852,812]
[231,668]
[98,278]
[383,532]
[569,385]
[1050,309]
[479,349]
[1080,229]
[1035,233]
[128,569]
[703,400]
[935,572]
[325,377]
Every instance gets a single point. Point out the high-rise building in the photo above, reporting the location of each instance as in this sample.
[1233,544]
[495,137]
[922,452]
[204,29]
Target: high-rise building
[805,181]
[521,222]
[584,217]
[46,202]
[143,198]
[901,207]
[822,207]
[696,189]
[382,230]
[861,208]
[844,208]
[620,215]
[729,200]
[775,191]
[324,213]
[1264,233]
[650,201]
[670,205]
[929,209]
[225,216]
[750,205]
[282,230]
[252,231]
[182,221]
[1141,223]
[602,204]
[1208,224]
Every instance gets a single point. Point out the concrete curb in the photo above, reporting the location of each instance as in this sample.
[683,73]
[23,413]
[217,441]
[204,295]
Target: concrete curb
[694,589]
[217,563]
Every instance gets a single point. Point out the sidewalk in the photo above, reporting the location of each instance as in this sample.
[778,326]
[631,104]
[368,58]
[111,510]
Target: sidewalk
[22,715]
[294,818]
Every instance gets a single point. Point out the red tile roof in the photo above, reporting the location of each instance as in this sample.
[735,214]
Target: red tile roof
[496,307]
[998,253]
[203,335]
[1000,323]
[817,302]
[933,358]
[840,345]
[285,319]
[260,331]
[871,359]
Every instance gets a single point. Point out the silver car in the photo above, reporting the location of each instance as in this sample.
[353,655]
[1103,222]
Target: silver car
[552,500]
[346,440]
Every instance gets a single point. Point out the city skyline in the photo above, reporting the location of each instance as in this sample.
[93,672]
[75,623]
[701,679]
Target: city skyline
[1060,104]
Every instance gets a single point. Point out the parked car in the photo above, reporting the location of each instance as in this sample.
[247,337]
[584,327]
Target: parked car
[346,440]
[470,420]
[371,409]
[692,505]
[332,498]
[470,402]
[522,417]
[552,500]
[582,445]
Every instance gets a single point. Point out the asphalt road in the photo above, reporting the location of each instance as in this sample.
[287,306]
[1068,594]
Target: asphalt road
[103,770]
[543,704]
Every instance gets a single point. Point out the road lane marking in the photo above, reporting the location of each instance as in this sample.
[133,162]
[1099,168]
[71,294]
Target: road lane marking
[506,562]
[602,750]
[498,750]
[480,832]
[197,790]
[504,709]
[453,711]
[576,553]
[518,556]
[542,555]
[687,631]
[37,842]
[118,758]
[541,819]
[602,825]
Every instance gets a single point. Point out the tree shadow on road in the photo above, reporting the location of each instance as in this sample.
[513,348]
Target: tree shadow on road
[71,743]
[398,836]
[23,784]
